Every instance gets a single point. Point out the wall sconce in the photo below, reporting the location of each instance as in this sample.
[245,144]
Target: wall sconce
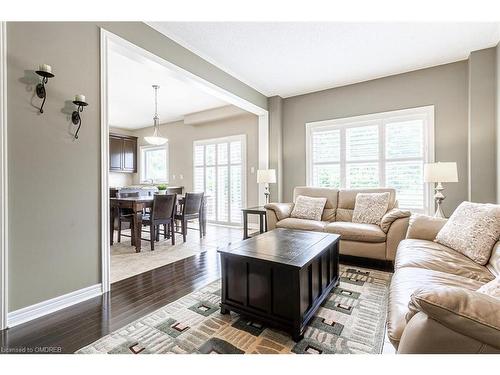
[75,116]
[44,71]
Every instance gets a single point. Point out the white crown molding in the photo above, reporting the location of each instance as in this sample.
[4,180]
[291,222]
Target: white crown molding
[3,178]
[52,305]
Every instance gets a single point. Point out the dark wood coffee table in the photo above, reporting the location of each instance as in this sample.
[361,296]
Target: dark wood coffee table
[280,278]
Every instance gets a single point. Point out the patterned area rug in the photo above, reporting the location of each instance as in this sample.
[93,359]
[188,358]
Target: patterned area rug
[351,320]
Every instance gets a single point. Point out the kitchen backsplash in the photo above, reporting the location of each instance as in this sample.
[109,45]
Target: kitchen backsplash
[120,179]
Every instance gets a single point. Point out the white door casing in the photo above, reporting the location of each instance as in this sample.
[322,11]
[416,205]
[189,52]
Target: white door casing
[3,179]
[263,130]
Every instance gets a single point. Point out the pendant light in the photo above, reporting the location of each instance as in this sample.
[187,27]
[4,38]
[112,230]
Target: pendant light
[156,139]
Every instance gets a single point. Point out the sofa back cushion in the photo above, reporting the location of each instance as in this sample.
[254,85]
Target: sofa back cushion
[473,229]
[316,192]
[347,201]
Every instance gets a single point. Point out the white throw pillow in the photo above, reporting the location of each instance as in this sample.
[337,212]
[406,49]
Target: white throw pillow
[472,230]
[370,207]
[492,288]
[308,208]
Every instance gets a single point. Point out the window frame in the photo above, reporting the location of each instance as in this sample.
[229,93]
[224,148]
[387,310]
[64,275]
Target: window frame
[215,141]
[142,163]
[381,119]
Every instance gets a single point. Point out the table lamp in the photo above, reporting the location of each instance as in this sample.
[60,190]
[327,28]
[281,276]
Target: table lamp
[438,173]
[266,176]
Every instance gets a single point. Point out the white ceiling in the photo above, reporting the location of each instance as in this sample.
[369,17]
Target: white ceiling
[131,96]
[292,58]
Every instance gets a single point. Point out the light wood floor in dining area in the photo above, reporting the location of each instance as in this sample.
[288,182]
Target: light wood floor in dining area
[125,262]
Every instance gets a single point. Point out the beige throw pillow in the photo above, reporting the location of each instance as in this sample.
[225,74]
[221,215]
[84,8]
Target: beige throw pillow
[308,208]
[370,207]
[492,288]
[472,230]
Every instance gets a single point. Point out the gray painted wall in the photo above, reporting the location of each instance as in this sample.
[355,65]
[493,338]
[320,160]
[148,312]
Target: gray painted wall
[443,86]
[276,146]
[53,180]
[482,124]
[498,119]
[180,143]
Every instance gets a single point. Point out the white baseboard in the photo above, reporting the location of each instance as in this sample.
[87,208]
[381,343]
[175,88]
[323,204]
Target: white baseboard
[28,313]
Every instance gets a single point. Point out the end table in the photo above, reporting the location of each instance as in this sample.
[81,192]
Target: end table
[261,211]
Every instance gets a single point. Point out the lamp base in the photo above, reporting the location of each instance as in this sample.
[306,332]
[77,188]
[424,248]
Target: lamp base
[267,193]
[439,198]
[439,211]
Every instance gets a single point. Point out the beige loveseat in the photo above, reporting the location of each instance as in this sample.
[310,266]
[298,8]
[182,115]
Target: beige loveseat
[433,303]
[362,240]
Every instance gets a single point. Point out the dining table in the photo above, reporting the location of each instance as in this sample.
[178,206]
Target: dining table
[138,205]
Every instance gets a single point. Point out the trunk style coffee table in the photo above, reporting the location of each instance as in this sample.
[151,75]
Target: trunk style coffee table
[280,277]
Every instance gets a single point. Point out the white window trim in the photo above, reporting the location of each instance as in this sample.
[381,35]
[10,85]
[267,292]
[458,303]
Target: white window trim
[142,167]
[425,113]
[228,139]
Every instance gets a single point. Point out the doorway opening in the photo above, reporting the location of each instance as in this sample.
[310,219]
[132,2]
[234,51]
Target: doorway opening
[196,117]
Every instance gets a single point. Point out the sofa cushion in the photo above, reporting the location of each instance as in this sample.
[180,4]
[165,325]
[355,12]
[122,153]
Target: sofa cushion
[328,193]
[303,224]
[309,208]
[433,256]
[356,231]
[405,282]
[370,207]
[473,229]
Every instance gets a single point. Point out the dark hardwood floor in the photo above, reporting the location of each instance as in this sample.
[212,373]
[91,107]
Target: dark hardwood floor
[70,329]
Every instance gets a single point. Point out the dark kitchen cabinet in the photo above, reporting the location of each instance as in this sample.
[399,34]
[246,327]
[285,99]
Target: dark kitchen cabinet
[122,153]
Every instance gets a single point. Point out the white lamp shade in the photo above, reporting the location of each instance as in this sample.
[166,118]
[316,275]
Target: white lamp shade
[266,176]
[440,172]
[157,141]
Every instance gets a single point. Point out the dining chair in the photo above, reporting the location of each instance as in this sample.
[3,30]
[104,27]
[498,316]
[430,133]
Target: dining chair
[190,211]
[162,213]
[126,215]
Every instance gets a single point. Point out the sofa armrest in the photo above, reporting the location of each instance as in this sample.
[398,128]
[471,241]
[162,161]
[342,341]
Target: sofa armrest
[466,312]
[276,212]
[423,227]
[396,234]
[282,210]
[391,216]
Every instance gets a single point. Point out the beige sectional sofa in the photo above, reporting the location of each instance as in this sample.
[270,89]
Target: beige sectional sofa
[433,303]
[362,240]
